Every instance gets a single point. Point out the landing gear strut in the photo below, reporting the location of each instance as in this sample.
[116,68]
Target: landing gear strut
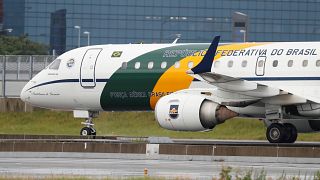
[281,133]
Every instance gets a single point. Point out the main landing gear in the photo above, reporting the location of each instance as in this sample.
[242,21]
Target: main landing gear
[281,133]
[279,130]
[88,130]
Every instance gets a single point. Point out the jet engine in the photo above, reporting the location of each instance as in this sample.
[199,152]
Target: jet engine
[190,112]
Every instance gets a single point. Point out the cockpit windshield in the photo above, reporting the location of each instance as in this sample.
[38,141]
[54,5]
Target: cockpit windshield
[55,64]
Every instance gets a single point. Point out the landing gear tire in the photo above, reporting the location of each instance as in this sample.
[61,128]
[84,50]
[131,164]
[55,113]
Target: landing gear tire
[86,131]
[282,133]
[292,133]
[276,133]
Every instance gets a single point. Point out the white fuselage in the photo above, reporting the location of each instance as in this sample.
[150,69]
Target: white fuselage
[83,74]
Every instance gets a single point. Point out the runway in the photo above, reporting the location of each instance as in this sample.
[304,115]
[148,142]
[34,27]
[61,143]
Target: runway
[153,140]
[46,156]
[102,168]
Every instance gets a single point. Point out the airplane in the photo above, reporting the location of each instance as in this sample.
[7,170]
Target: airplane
[190,86]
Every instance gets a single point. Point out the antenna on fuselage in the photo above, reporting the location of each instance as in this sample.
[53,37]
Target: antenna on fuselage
[175,41]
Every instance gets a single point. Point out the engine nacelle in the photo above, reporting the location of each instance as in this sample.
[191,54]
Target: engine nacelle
[189,112]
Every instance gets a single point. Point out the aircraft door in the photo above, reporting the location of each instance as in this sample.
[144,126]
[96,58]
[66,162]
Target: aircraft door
[260,65]
[87,69]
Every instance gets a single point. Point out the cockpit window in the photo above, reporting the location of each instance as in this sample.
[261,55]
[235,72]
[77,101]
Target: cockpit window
[55,64]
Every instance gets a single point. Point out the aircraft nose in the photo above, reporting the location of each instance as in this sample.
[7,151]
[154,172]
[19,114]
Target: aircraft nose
[25,94]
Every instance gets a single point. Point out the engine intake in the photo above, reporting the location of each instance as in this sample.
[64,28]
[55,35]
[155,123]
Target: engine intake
[190,112]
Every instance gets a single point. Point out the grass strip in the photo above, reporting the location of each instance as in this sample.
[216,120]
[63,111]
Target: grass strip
[129,124]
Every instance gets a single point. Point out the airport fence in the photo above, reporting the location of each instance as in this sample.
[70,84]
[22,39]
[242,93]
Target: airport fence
[17,70]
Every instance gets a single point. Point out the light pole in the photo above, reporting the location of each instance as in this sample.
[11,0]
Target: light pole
[79,30]
[88,35]
[244,34]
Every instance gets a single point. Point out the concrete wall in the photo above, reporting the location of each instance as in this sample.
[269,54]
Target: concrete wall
[154,150]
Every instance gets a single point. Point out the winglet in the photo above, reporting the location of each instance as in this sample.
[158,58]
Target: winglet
[206,62]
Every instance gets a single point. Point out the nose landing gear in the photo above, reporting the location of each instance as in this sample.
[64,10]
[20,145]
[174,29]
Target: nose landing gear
[88,130]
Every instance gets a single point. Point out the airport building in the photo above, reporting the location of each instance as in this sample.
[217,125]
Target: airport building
[60,23]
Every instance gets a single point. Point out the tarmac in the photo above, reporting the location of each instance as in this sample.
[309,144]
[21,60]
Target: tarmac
[40,156]
[99,165]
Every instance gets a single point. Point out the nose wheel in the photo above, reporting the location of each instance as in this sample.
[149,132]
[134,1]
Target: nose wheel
[88,130]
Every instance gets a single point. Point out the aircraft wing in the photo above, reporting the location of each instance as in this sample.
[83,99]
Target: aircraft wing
[297,93]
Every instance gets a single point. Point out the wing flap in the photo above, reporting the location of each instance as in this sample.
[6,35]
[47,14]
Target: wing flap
[305,89]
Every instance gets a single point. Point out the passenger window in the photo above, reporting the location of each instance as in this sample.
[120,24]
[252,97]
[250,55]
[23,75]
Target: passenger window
[305,63]
[137,65]
[163,65]
[55,64]
[260,63]
[124,65]
[290,63]
[244,63]
[150,65]
[230,64]
[190,64]
[275,63]
[318,63]
[216,64]
[177,64]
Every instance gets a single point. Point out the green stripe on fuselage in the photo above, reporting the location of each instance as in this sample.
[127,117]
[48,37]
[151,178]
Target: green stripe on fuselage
[129,89]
